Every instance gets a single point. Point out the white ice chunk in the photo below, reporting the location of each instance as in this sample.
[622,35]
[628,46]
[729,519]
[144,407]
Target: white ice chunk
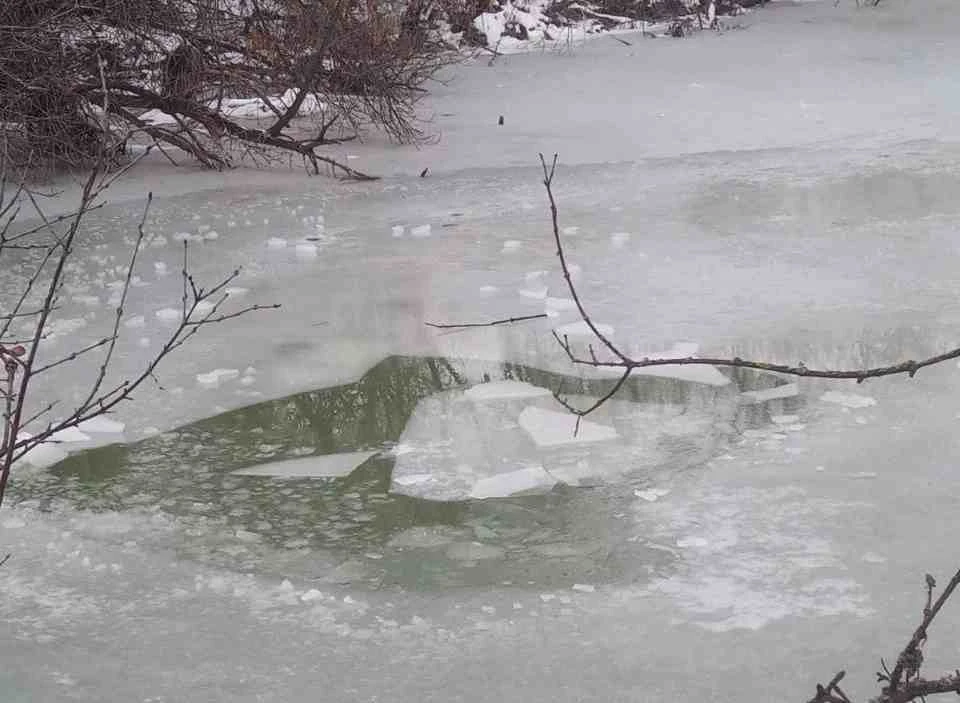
[571,230]
[306,250]
[70,434]
[505,390]
[550,428]
[651,495]
[488,289]
[169,315]
[535,293]
[135,321]
[848,400]
[214,378]
[420,231]
[320,466]
[397,231]
[532,478]
[160,268]
[276,243]
[692,542]
[583,587]
[101,425]
[511,245]
[787,390]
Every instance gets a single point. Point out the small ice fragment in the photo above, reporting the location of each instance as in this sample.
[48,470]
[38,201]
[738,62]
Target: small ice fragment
[306,250]
[547,597]
[864,474]
[420,231]
[88,300]
[820,468]
[169,315]
[488,289]
[618,239]
[160,268]
[535,293]
[214,378]
[144,342]
[573,229]
[873,558]
[488,609]
[202,308]
[692,542]
[311,595]
[236,292]
[848,400]
[276,243]
[785,419]
[101,425]
[135,321]
[534,276]
[651,495]
[511,245]
[397,231]
[860,420]
[248,380]
[182,237]
[212,234]
[583,587]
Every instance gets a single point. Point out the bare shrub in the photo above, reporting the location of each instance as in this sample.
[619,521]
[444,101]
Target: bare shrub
[77,76]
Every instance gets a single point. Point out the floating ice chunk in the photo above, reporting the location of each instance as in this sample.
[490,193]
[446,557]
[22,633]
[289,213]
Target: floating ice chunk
[863,474]
[319,466]
[787,390]
[202,308]
[135,321]
[412,479]
[211,235]
[306,250]
[276,243]
[873,558]
[848,400]
[573,229]
[510,245]
[651,495]
[550,428]
[488,289]
[583,587]
[160,268]
[534,276]
[144,342]
[532,478]
[70,434]
[505,390]
[473,551]
[558,304]
[101,425]
[535,293]
[685,542]
[420,231]
[311,595]
[214,378]
[581,329]
[183,237]
[618,239]
[397,231]
[236,292]
[91,301]
[169,315]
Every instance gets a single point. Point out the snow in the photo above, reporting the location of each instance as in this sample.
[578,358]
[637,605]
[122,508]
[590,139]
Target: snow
[318,466]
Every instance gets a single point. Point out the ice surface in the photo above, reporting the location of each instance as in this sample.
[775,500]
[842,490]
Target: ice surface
[212,379]
[102,425]
[318,466]
[550,428]
[754,231]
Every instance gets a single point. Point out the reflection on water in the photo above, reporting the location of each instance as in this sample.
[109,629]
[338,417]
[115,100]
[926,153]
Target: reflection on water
[368,535]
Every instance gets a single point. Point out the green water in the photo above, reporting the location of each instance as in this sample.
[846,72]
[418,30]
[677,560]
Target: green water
[363,533]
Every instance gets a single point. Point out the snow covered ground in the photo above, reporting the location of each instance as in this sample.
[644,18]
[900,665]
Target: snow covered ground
[788,191]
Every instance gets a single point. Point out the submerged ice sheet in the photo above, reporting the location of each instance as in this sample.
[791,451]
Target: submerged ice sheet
[319,466]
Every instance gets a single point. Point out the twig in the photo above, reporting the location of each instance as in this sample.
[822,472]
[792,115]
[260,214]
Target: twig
[504,321]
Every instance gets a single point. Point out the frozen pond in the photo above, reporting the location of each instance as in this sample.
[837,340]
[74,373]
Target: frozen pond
[335,500]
